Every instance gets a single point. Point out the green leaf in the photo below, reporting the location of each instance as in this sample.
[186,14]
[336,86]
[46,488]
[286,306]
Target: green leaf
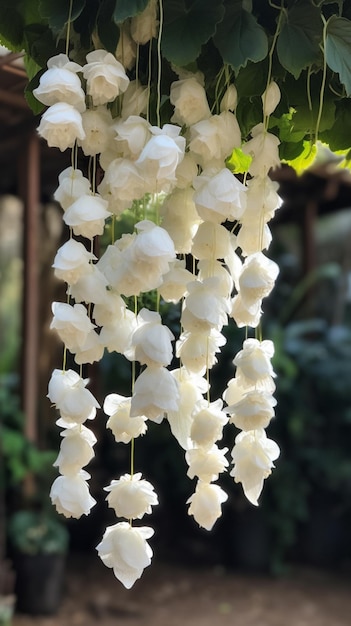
[186,29]
[287,131]
[56,12]
[107,29]
[239,162]
[305,158]
[289,151]
[248,113]
[40,43]
[11,28]
[300,36]
[239,38]
[338,49]
[128,8]
[252,79]
[338,137]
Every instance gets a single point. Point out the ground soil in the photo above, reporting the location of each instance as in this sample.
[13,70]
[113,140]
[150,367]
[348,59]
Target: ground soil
[175,596]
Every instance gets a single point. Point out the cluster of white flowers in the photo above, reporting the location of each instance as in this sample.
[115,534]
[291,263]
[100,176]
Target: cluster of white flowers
[182,166]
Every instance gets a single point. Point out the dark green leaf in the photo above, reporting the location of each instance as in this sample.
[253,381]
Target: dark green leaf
[339,136]
[338,49]
[56,12]
[249,113]
[289,151]
[300,36]
[239,37]
[40,44]
[187,29]
[128,8]
[252,79]
[11,28]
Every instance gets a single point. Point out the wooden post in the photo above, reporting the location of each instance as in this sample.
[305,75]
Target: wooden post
[30,193]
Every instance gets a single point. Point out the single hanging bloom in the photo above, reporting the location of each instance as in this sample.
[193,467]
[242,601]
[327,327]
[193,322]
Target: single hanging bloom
[144,25]
[105,76]
[207,424]
[257,279]
[70,495]
[60,83]
[124,427]
[125,549]
[131,497]
[219,196]
[270,98]
[190,103]
[205,504]
[155,393]
[87,216]
[72,185]
[76,450]
[61,125]
[206,464]
[253,411]
[151,340]
[72,261]
[97,125]
[254,366]
[71,323]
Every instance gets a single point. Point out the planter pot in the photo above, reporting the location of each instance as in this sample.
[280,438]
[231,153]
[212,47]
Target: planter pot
[7,606]
[39,582]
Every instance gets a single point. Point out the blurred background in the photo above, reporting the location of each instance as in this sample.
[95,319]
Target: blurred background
[289,561]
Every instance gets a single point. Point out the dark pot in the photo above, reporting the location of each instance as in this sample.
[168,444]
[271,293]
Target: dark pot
[39,582]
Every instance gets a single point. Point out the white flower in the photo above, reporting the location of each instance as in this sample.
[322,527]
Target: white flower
[180,218]
[206,464]
[207,424]
[232,260]
[61,125]
[153,242]
[253,237]
[105,76]
[60,83]
[159,159]
[135,100]
[70,495]
[243,316]
[270,98]
[205,504]
[72,185]
[124,427]
[111,309]
[253,411]
[174,282]
[123,183]
[116,336]
[76,403]
[155,392]
[87,216]
[209,268]
[126,50]
[191,387]
[212,241]
[230,99]
[90,287]
[263,147]
[254,366]
[71,323]
[98,131]
[131,497]
[212,140]
[219,196]
[151,340]
[76,450]
[72,262]
[186,171]
[144,25]
[125,549]
[253,456]
[132,135]
[205,304]
[189,99]
[257,279]
[91,351]
[261,198]
[233,392]
[197,350]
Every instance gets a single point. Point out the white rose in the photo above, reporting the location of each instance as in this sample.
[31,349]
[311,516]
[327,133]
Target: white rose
[91,351]
[61,125]
[253,411]
[174,283]
[72,185]
[158,161]
[219,196]
[60,83]
[205,504]
[254,366]
[132,135]
[76,450]
[253,237]
[233,392]
[87,216]
[212,241]
[72,261]
[90,287]
[206,304]
[151,340]
[208,268]
[190,102]
[123,182]
[116,336]
[155,393]
[67,391]
[212,140]
[206,464]
[98,131]
[70,495]
[197,350]
[144,25]
[180,218]
[257,279]
[71,323]
[111,308]
[131,497]
[208,423]
[105,76]
[123,427]
[243,316]
[125,549]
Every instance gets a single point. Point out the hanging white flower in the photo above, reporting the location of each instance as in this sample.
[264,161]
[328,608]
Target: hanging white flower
[180,218]
[67,390]
[243,316]
[253,237]
[207,424]
[270,98]
[261,197]
[111,309]
[253,411]
[174,282]
[70,495]
[263,147]
[126,50]
[135,99]
[151,340]
[214,139]
[189,99]
[90,287]
[72,262]
[87,216]
[91,351]
[206,464]
[72,185]
[71,323]
[186,171]
[253,456]
[212,241]
[76,450]
[153,242]
[232,260]
[132,135]
[205,304]
[219,196]
[131,497]
[197,350]
[121,184]
[209,268]
[123,427]
[205,504]
[191,389]
[254,366]
[125,549]
[155,393]
[60,83]
[229,100]
[97,125]
[61,125]
[116,336]
[257,279]
[233,392]
[159,159]
[105,76]
[144,25]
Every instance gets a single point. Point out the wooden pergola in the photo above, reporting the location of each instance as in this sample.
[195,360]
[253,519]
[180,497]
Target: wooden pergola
[29,170]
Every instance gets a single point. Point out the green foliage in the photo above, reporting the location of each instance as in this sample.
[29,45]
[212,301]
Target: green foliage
[338,49]
[128,8]
[33,533]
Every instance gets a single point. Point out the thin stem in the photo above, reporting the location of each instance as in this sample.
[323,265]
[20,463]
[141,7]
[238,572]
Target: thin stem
[159,64]
[324,78]
[69,26]
[270,64]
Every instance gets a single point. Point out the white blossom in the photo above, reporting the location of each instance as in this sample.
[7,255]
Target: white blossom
[71,323]
[253,411]
[263,147]
[61,125]
[197,350]
[151,340]
[135,99]
[230,99]
[189,99]
[212,241]
[91,351]
[132,135]
[206,464]
[254,365]
[144,25]
[105,76]
[214,139]
[123,427]
[174,282]
[90,287]
[155,393]
[242,315]
[70,495]
[72,185]
[131,497]
[98,132]
[76,450]
[87,216]
[205,504]
[271,98]
[67,390]
[207,424]
[180,218]
[257,279]
[60,83]
[219,196]
[72,262]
